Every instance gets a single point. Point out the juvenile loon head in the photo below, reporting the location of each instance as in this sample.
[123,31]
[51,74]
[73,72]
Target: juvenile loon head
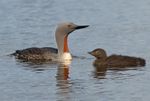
[99,53]
[62,32]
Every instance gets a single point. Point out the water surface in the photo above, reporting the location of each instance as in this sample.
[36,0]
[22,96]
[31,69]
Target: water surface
[120,27]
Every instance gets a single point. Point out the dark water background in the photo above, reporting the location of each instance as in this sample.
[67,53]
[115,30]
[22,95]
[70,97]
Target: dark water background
[118,26]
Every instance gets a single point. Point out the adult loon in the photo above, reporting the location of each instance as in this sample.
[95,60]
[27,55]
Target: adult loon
[102,60]
[49,53]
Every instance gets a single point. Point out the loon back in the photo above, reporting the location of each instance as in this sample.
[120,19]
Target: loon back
[34,53]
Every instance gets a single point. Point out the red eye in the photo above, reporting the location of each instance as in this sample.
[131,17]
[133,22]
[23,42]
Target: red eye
[69,26]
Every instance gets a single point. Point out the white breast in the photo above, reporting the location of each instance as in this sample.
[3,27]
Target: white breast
[66,56]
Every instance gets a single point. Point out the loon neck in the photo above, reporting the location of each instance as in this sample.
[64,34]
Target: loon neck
[66,54]
[63,50]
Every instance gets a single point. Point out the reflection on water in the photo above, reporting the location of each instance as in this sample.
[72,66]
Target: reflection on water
[63,82]
[63,71]
[36,65]
[101,71]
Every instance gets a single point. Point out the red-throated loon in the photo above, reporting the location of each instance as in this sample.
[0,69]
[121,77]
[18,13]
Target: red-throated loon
[49,53]
[102,60]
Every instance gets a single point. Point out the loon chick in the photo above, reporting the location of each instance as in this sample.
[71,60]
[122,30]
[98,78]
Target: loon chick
[102,60]
[49,53]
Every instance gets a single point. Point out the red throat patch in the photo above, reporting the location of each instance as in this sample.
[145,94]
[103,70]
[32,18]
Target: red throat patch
[66,49]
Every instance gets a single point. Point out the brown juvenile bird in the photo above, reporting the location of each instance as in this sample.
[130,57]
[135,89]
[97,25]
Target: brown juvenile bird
[117,61]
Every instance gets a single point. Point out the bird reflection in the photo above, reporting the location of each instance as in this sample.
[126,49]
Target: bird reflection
[100,72]
[62,71]
[63,82]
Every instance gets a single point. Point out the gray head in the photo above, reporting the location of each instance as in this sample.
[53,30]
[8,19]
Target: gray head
[98,53]
[62,32]
[66,28]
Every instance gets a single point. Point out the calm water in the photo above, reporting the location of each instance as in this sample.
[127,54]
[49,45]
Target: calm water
[118,26]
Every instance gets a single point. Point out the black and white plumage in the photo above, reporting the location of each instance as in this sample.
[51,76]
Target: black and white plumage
[34,53]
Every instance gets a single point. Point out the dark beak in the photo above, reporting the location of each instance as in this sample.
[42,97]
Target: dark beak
[80,27]
[90,53]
